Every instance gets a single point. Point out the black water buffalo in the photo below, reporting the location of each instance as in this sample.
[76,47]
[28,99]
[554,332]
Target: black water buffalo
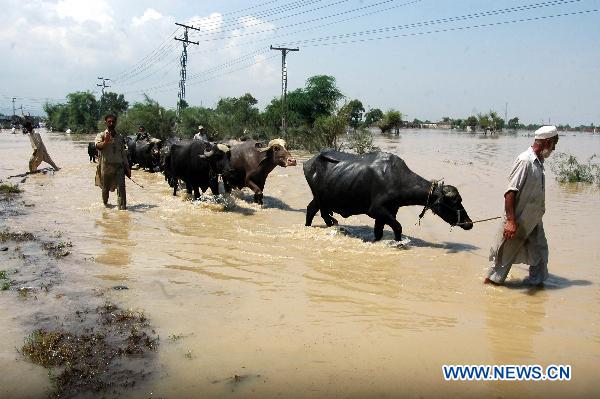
[376,184]
[252,163]
[198,163]
[164,163]
[131,143]
[147,153]
[92,151]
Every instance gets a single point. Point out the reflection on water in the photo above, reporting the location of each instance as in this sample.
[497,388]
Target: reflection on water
[256,292]
[114,238]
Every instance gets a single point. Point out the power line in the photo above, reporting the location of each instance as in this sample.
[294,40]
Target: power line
[211,70]
[308,43]
[160,89]
[313,27]
[321,19]
[445,20]
[159,55]
[267,13]
[148,57]
[262,22]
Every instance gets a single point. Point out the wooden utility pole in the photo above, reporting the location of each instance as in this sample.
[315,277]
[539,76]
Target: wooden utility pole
[183,60]
[284,107]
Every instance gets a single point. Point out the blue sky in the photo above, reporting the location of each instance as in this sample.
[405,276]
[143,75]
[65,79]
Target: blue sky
[441,64]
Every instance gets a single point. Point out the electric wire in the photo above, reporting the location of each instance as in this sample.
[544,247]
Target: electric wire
[453,29]
[445,20]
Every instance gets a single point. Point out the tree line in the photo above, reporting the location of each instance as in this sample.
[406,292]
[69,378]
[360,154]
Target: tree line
[314,118]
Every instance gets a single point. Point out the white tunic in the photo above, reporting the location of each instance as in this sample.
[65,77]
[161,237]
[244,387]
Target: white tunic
[529,245]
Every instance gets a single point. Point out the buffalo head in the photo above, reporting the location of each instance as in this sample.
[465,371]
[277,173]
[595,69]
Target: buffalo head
[218,157]
[277,152]
[447,204]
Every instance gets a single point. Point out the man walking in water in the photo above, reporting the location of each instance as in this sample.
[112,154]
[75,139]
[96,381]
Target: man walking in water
[521,237]
[39,149]
[113,164]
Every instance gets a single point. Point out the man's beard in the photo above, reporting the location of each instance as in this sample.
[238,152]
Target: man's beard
[546,153]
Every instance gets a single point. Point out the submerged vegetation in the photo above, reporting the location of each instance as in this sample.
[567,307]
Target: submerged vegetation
[87,361]
[568,169]
[6,189]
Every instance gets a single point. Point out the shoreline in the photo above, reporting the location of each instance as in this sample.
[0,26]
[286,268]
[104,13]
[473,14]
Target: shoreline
[75,330]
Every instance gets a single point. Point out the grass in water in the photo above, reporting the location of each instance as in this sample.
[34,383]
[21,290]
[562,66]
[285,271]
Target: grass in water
[568,169]
[9,189]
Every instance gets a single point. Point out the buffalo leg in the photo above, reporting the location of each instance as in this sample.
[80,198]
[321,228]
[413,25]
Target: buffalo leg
[258,195]
[383,216]
[378,229]
[196,192]
[327,216]
[311,211]
[214,185]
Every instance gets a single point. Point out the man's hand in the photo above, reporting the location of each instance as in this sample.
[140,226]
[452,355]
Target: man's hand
[510,229]
[107,138]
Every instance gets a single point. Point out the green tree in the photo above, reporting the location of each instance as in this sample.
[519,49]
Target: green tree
[373,116]
[191,117]
[323,95]
[158,121]
[83,112]
[513,123]
[112,103]
[391,120]
[327,131]
[483,120]
[57,116]
[496,123]
[354,111]
[235,116]
[472,122]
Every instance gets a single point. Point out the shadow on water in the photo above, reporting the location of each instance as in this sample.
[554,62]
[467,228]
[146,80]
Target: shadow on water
[365,233]
[553,282]
[140,207]
[268,203]
[272,202]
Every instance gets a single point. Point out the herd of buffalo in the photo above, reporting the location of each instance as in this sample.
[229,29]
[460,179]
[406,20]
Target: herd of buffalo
[376,184]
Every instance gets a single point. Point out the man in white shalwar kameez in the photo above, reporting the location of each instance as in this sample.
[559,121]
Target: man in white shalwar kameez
[521,237]
[40,154]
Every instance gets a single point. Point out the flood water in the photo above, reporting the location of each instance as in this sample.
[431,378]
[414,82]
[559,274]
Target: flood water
[313,312]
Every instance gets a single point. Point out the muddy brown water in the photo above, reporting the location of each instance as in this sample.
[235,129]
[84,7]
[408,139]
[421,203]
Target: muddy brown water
[236,289]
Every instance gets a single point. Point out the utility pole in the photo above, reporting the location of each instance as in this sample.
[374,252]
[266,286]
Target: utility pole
[183,61]
[103,85]
[284,108]
[506,112]
[14,110]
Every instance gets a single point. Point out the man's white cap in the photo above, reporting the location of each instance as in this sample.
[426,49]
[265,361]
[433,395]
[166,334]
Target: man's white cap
[545,132]
[200,127]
